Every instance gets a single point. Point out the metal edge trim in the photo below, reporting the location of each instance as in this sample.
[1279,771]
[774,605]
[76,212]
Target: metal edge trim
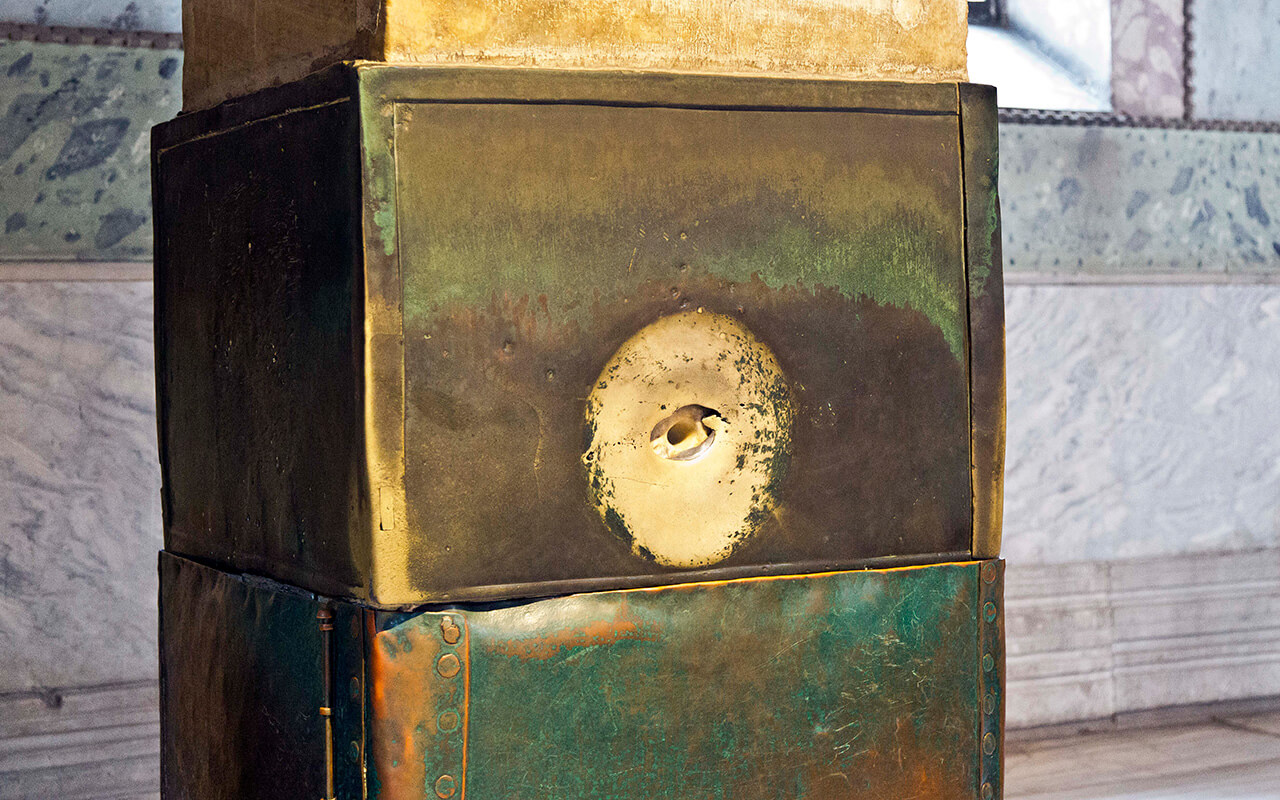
[980,148]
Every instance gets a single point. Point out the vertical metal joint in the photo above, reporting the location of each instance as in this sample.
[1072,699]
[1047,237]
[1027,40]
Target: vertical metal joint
[325,616]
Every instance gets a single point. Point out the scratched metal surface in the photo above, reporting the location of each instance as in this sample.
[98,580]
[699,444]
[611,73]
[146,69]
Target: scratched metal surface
[74,145]
[493,255]
[836,237]
[856,684]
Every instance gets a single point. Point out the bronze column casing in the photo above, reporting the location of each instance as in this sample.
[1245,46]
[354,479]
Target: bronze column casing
[388,298]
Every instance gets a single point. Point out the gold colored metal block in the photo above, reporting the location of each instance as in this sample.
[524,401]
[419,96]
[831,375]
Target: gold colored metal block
[402,314]
[237,46]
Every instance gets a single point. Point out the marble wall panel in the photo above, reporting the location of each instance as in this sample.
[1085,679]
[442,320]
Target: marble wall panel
[74,148]
[1236,59]
[132,15]
[1142,421]
[1095,201]
[1146,57]
[79,485]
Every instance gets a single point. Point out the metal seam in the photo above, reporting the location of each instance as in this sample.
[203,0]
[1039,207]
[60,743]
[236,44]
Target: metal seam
[58,34]
[991,698]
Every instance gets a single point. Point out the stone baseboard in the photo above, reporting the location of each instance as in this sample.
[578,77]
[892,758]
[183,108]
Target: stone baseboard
[1091,641]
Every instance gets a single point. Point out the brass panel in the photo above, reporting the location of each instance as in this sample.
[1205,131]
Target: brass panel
[311,237]
[258,317]
[234,47]
[242,689]
[835,236]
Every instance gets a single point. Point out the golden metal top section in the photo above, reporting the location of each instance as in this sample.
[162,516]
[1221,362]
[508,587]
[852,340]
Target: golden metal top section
[236,46]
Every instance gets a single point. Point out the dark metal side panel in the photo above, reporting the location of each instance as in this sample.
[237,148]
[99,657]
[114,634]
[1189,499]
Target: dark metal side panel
[856,684]
[258,328]
[534,239]
[986,313]
[241,680]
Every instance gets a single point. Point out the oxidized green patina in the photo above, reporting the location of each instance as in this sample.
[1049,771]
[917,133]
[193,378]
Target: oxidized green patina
[858,684]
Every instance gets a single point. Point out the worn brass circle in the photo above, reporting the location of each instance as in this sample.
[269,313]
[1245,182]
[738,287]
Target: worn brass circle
[989,743]
[448,665]
[989,572]
[688,432]
[988,663]
[989,704]
[446,787]
[988,793]
[989,612]
[448,721]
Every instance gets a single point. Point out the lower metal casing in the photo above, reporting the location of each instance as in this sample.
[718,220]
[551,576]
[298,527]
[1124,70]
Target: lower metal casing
[872,683]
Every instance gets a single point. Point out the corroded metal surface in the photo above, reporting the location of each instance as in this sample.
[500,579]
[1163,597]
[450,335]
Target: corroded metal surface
[991,680]
[242,689]
[855,684]
[479,258]
[838,685]
[719,461]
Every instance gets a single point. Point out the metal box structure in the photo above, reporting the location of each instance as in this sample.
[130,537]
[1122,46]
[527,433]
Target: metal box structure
[536,433]
[874,683]
[387,298]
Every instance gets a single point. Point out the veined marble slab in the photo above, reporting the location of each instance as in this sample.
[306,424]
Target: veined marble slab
[79,485]
[75,148]
[1086,200]
[1237,56]
[1146,57]
[1143,421]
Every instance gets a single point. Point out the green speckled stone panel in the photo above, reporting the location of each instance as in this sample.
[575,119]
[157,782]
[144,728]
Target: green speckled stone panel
[1084,201]
[75,137]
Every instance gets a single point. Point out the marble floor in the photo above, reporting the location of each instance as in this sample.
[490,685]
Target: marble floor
[1223,758]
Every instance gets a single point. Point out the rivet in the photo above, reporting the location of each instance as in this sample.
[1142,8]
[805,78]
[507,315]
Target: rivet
[989,743]
[355,688]
[448,721]
[446,787]
[355,751]
[989,572]
[989,611]
[989,704]
[448,665]
[450,630]
[988,663]
[987,792]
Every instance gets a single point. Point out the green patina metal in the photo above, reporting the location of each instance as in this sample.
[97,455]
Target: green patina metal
[796,201]
[851,684]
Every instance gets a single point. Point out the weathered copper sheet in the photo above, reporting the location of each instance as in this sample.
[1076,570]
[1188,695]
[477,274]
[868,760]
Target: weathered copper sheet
[875,683]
